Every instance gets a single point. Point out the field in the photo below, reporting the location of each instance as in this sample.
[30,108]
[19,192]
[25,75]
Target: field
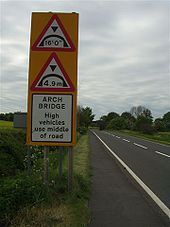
[6,124]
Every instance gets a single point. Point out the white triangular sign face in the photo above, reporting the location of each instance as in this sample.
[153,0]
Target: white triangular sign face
[53,37]
[52,77]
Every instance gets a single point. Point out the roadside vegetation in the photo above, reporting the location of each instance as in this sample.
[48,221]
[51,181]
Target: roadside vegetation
[138,122]
[24,199]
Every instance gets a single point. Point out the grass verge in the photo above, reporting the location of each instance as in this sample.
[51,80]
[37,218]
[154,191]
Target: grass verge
[63,209]
[160,137]
[6,124]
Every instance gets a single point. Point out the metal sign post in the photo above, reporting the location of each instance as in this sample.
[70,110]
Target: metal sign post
[60,166]
[70,169]
[46,165]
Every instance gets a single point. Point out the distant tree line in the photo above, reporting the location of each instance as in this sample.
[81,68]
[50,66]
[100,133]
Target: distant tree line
[7,116]
[138,118]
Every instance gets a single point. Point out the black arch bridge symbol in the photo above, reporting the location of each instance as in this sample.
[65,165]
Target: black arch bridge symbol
[52,75]
[60,38]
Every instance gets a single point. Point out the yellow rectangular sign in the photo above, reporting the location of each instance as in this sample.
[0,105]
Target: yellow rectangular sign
[52,86]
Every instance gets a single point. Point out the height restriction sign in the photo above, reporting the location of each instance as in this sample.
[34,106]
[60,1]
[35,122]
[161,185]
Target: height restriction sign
[52,86]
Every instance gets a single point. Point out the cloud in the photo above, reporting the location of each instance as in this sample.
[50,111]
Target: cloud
[123,53]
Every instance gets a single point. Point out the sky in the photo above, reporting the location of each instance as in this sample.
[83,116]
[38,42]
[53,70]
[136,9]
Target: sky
[123,58]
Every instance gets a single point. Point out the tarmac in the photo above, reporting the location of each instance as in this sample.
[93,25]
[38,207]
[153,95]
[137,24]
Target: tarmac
[115,200]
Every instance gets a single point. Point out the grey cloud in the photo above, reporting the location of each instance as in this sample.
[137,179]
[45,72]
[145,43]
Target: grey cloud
[123,53]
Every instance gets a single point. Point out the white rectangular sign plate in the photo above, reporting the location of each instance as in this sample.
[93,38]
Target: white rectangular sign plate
[52,118]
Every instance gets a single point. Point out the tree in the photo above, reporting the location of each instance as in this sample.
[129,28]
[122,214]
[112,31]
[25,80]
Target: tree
[7,116]
[117,123]
[84,118]
[106,119]
[111,116]
[166,120]
[144,124]
[159,125]
[130,120]
[102,122]
[137,111]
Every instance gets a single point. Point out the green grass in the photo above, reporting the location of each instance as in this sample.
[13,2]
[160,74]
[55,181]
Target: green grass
[65,209]
[6,124]
[161,137]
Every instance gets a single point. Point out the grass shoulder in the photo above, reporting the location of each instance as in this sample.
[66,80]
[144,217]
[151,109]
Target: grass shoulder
[160,137]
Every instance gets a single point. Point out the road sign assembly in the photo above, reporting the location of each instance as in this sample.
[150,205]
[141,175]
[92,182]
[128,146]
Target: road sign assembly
[52,88]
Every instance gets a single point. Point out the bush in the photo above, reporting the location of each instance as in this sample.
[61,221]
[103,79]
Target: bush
[117,123]
[17,192]
[82,130]
[12,152]
[144,125]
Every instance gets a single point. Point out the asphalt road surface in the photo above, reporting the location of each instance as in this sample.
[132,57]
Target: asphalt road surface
[148,161]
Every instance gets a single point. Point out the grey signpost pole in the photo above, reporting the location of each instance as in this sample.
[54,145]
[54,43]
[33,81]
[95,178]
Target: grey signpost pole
[60,167]
[70,169]
[46,165]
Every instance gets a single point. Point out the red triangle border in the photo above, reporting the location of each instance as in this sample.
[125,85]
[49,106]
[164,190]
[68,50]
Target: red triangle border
[54,17]
[33,86]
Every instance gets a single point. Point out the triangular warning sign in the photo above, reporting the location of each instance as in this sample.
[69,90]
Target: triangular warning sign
[52,77]
[53,37]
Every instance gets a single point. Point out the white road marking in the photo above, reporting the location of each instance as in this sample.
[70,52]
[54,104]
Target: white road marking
[118,137]
[139,145]
[126,140]
[113,135]
[162,154]
[155,198]
[149,141]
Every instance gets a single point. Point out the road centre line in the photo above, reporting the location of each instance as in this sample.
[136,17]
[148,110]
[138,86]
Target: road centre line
[162,154]
[162,206]
[118,137]
[126,140]
[139,145]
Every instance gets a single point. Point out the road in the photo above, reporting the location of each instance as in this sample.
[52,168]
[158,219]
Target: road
[149,161]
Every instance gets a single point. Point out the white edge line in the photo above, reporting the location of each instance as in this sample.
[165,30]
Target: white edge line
[162,154]
[163,207]
[139,145]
